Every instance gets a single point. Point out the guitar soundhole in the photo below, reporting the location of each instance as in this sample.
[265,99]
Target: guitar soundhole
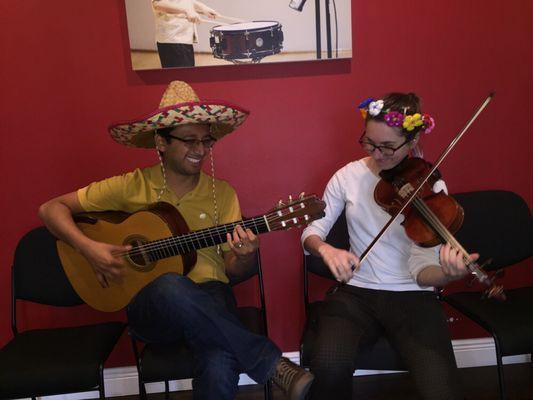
[139,257]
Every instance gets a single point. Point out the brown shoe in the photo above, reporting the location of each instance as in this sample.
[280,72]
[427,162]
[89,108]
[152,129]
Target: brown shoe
[292,379]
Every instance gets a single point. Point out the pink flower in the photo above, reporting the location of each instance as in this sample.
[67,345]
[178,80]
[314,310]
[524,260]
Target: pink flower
[429,123]
[394,118]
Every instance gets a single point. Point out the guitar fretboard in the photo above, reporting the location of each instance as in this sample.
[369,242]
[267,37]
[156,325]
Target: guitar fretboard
[186,243]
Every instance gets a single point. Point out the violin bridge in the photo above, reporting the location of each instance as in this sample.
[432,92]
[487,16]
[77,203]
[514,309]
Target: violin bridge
[406,190]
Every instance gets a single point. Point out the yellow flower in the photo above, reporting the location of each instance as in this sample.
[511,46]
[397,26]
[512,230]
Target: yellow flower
[412,121]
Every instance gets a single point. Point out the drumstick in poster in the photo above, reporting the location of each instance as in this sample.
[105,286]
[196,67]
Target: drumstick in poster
[230,18]
[216,21]
[212,21]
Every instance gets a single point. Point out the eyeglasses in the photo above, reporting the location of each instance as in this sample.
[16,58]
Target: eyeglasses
[207,142]
[387,151]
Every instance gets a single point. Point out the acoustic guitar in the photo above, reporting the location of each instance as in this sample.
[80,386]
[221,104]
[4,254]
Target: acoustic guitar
[161,243]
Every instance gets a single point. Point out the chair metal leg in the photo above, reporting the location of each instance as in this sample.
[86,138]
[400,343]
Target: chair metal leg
[501,378]
[101,388]
[268,390]
[167,391]
[142,390]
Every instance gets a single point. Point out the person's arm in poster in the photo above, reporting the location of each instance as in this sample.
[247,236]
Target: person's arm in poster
[201,8]
[184,7]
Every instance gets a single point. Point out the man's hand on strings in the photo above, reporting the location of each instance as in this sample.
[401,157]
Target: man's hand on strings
[107,261]
[244,243]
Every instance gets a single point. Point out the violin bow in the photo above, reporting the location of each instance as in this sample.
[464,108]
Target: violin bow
[431,171]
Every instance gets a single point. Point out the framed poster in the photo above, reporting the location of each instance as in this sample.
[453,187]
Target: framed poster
[187,33]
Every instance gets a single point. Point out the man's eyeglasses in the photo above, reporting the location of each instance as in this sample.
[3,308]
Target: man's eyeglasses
[207,142]
[387,151]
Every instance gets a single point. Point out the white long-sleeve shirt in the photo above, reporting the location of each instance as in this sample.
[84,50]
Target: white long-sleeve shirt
[174,28]
[395,261]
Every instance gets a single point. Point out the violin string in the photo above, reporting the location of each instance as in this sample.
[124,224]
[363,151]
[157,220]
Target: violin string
[439,227]
[436,224]
[446,235]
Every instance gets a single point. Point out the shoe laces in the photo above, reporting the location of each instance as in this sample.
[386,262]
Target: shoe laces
[285,374]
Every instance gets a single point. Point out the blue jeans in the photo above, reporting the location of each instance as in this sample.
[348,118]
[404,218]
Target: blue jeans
[173,308]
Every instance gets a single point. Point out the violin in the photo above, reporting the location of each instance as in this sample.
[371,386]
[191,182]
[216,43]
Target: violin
[430,218]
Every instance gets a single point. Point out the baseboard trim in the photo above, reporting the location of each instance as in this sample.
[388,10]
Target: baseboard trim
[123,381]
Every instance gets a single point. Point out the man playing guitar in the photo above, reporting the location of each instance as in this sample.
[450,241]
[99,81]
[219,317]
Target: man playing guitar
[199,307]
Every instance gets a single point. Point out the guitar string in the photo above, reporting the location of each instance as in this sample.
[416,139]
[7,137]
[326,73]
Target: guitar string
[192,237]
[188,238]
[209,233]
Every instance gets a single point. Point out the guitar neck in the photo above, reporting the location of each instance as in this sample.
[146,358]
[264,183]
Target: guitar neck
[192,241]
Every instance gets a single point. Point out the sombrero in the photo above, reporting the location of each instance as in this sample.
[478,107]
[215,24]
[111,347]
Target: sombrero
[179,106]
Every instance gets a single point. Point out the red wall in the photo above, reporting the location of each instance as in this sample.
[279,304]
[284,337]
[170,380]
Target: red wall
[66,75]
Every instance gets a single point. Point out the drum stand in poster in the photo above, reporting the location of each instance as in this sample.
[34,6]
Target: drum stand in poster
[298,5]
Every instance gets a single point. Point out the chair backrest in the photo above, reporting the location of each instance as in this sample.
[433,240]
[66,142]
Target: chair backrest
[498,225]
[255,271]
[337,237]
[37,274]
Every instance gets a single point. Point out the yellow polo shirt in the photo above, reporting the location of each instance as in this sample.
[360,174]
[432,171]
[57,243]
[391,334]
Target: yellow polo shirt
[137,190]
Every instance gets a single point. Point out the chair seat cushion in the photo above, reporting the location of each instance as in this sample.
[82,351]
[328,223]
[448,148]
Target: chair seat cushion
[511,320]
[166,361]
[252,318]
[53,361]
[379,356]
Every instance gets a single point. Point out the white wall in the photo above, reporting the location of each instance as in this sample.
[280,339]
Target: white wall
[298,27]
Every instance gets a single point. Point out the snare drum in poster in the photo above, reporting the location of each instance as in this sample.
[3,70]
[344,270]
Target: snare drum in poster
[187,33]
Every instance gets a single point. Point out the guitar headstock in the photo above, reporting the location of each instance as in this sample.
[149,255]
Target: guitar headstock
[296,213]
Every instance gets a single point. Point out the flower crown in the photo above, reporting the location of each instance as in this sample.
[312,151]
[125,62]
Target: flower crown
[396,118]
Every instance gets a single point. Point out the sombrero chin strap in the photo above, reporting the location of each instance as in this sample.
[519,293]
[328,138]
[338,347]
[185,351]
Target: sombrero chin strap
[165,187]
[215,205]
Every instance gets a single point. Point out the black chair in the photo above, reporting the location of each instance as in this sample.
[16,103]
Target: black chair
[42,362]
[169,362]
[379,356]
[498,225]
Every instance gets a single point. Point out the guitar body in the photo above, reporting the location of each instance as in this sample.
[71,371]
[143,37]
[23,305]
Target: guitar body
[159,222]
[161,243]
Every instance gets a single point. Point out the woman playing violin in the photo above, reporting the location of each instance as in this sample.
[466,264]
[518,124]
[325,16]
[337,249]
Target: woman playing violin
[391,292]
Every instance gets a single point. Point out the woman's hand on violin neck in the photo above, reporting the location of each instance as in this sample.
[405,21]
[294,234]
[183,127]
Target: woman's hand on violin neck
[452,262]
[341,263]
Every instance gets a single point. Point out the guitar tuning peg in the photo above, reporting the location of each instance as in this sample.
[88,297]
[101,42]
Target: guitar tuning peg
[488,262]
[280,203]
[301,195]
[290,198]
